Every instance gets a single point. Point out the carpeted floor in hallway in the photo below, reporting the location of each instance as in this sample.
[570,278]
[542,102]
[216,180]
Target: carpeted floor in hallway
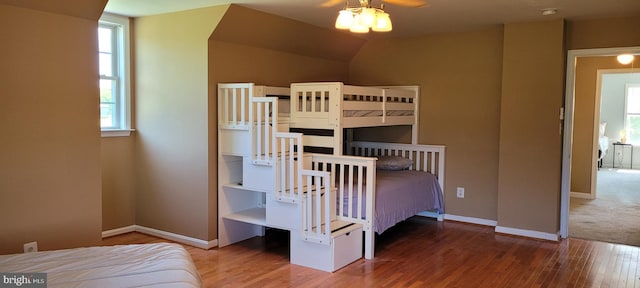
[614,216]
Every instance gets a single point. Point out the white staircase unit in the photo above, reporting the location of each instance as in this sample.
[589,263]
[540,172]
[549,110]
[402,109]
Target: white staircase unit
[265,180]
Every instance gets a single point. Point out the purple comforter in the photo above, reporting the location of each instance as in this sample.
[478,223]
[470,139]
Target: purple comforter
[402,194]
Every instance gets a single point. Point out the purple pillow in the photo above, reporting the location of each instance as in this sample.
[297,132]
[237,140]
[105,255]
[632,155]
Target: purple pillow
[393,163]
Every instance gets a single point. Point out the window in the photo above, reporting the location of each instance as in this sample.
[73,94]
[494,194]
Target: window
[632,113]
[113,55]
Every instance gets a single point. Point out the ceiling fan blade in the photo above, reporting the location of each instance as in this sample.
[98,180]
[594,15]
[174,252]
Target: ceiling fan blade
[408,3]
[331,3]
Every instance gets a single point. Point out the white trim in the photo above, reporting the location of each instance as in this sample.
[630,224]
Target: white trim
[567,138]
[527,233]
[582,195]
[596,136]
[472,220]
[432,214]
[118,231]
[124,66]
[203,244]
[627,87]
[178,238]
[116,133]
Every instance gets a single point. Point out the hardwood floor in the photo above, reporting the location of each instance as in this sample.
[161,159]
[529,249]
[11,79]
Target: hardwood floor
[421,252]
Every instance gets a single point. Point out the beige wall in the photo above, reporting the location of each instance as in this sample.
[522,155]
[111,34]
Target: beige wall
[171,145]
[231,62]
[459,75]
[50,148]
[76,8]
[530,139]
[603,33]
[118,182]
[285,35]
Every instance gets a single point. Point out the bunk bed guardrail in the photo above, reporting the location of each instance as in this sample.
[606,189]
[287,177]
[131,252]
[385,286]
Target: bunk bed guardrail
[317,209]
[290,164]
[316,105]
[233,112]
[264,129]
[427,158]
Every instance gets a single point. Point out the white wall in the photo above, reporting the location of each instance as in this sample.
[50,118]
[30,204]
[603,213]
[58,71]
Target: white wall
[612,111]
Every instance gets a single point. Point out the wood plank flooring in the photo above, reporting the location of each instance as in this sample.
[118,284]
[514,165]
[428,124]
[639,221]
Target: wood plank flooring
[421,252]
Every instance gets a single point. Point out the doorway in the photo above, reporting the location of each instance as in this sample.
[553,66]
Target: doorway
[568,140]
[610,211]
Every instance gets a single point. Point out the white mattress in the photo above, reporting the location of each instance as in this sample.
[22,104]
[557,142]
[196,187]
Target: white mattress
[143,265]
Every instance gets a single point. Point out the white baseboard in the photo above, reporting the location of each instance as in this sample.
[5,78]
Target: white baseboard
[527,233]
[471,220]
[118,231]
[431,214]
[582,195]
[163,234]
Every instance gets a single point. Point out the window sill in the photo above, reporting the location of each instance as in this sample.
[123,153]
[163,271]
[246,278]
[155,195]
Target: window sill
[116,133]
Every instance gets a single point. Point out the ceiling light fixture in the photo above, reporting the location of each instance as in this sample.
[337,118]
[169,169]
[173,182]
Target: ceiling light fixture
[625,59]
[364,18]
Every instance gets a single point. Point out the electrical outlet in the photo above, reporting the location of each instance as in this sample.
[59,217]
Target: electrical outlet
[460,192]
[31,247]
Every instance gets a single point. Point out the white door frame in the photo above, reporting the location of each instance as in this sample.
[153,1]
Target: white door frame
[567,140]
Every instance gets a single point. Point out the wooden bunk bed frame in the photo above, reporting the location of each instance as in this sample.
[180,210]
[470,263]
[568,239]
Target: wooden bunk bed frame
[247,123]
[334,106]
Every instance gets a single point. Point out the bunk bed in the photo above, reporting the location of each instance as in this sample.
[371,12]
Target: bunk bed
[330,107]
[317,116]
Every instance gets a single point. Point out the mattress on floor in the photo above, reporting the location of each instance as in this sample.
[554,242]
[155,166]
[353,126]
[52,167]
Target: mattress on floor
[139,265]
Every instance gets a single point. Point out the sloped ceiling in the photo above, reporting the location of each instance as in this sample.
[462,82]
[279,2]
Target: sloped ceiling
[88,9]
[284,34]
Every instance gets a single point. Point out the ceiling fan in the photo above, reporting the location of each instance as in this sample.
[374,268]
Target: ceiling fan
[365,3]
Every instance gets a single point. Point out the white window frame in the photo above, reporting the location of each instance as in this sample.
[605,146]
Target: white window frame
[123,74]
[627,114]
